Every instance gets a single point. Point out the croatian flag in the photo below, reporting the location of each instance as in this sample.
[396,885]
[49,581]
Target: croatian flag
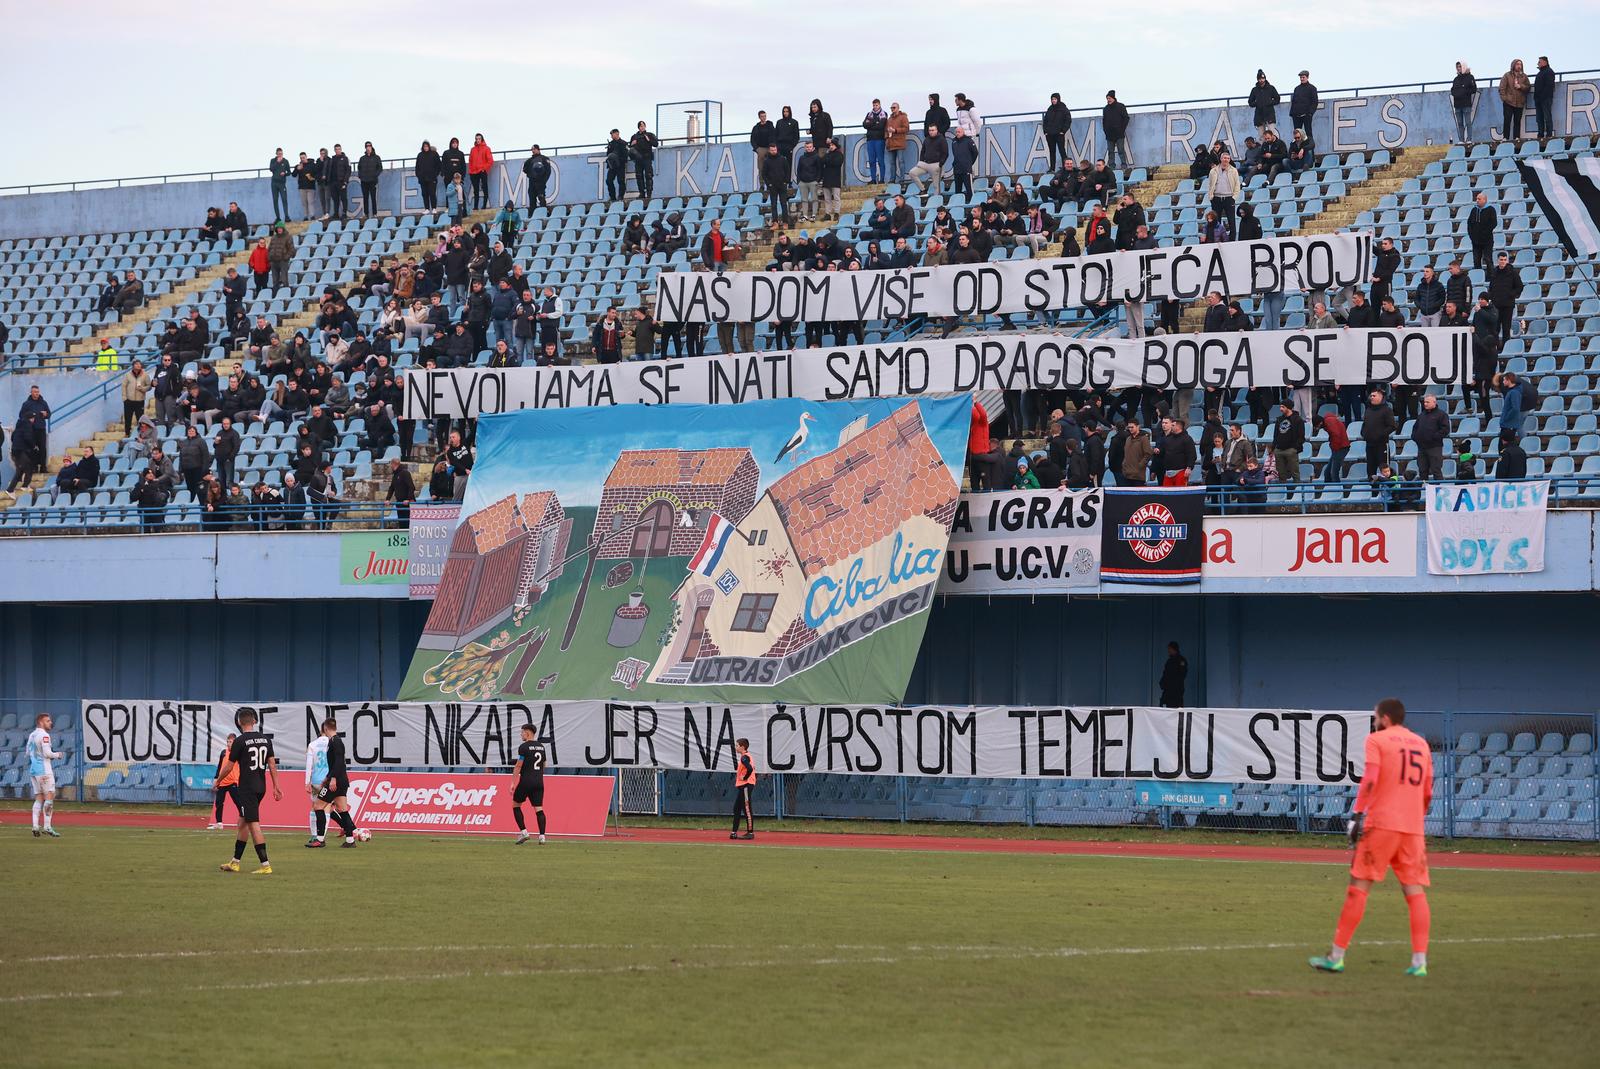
[718,532]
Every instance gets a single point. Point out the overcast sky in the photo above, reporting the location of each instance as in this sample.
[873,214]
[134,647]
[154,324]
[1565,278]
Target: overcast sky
[105,88]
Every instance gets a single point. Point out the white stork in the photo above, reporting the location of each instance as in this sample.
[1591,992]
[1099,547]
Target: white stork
[799,438]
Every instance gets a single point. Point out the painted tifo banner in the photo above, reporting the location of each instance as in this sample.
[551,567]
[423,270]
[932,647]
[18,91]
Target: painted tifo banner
[1335,546]
[1120,742]
[1152,535]
[1002,287]
[1027,542]
[1488,528]
[372,558]
[432,527]
[1414,356]
[464,803]
[774,551]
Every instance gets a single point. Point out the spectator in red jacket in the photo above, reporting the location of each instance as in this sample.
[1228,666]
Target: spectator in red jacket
[478,164]
[1338,446]
[977,444]
[260,264]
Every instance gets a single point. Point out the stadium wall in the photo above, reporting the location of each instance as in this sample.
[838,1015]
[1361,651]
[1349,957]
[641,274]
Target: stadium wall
[322,566]
[1377,120]
[1528,651]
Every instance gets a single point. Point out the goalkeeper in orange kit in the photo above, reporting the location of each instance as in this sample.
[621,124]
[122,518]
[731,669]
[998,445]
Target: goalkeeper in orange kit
[1386,831]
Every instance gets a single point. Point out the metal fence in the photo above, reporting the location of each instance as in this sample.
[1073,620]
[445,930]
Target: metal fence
[1496,776]
[738,134]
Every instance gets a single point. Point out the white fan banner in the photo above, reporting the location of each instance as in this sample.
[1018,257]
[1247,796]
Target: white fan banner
[1024,542]
[1487,528]
[1005,287]
[1415,356]
[1122,742]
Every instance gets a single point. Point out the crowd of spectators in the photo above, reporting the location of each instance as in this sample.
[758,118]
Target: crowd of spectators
[468,295]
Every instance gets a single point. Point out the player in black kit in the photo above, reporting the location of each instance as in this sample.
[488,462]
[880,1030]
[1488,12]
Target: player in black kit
[252,753]
[530,783]
[337,785]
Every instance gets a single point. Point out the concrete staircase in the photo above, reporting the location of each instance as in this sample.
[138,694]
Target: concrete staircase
[1341,214]
[1383,179]
[164,306]
[167,305]
[28,493]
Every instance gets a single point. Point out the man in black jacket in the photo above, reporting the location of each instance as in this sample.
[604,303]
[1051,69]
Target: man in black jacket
[426,168]
[1386,264]
[936,115]
[762,137]
[1428,297]
[1458,285]
[369,168]
[616,167]
[1057,124]
[235,288]
[1174,674]
[821,125]
[930,161]
[1505,288]
[1378,425]
[642,147]
[1114,123]
[305,180]
[1360,313]
[1544,95]
[1513,462]
[1264,99]
[339,183]
[876,125]
[536,168]
[1303,104]
[1482,222]
[1429,430]
[775,180]
[453,162]
[402,490]
[1288,435]
[1175,453]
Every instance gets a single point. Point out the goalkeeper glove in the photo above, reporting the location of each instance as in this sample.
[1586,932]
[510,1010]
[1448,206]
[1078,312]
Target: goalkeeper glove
[1353,827]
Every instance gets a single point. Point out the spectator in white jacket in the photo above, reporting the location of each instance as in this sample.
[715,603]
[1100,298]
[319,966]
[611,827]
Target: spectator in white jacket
[1222,186]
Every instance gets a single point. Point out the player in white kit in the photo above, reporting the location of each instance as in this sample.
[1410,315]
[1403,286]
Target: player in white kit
[316,774]
[43,776]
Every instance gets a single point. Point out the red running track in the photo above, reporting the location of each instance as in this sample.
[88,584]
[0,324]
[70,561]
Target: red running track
[962,844]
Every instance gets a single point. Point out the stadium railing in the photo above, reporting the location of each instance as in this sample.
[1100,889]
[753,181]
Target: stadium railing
[1085,111]
[1497,775]
[82,518]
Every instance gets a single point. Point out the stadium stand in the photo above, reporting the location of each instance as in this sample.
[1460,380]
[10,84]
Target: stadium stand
[1418,195]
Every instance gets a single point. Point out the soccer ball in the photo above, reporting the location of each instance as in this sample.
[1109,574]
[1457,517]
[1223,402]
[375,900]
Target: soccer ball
[363,834]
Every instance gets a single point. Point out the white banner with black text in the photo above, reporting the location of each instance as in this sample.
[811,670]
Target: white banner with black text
[1024,542]
[1222,745]
[1416,356]
[1005,287]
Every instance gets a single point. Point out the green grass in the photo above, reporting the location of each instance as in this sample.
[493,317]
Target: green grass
[432,952]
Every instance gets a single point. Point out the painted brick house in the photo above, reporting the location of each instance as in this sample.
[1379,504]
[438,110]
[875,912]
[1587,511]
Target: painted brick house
[656,502]
[833,521]
[503,557]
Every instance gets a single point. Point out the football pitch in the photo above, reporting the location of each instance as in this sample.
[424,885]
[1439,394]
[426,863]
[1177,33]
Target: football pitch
[129,947]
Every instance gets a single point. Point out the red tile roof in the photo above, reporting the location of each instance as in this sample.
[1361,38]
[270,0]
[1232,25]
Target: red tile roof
[675,467]
[841,502]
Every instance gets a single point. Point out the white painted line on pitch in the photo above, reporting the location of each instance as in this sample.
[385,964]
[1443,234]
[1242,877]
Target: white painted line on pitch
[900,957]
